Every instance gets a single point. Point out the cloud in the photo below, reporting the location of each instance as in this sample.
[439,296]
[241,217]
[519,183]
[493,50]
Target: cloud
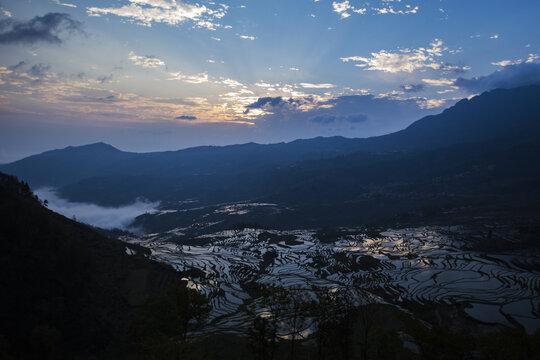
[186,117]
[49,28]
[172,12]
[247,37]
[103,217]
[446,91]
[391,10]
[317,86]
[412,87]
[265,102]
[191,79]
[343,7]
[104,79]
[506,62]
[406,60]
[39,70]
[19,65]
[64,4]
[271,103]
[146,61]
[324,119]
[80,95]
[439,82]
[426,103]
[530,59]
[508,77]
[353,115]
[355,118]
[230,83]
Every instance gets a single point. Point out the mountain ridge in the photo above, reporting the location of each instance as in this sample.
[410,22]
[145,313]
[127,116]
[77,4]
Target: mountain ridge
[501,92]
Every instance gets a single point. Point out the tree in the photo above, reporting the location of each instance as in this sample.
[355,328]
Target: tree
[295,317]
[279,314]
[334,313]
[167,321]
[366,320]
[262,338]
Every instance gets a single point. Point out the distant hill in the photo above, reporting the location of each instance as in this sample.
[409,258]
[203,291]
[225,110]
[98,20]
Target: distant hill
[60,167]
[492,116]
[67,292]
[495,181]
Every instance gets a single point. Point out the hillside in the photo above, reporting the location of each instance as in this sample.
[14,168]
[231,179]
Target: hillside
[60,167]
[492,116]
[67,292]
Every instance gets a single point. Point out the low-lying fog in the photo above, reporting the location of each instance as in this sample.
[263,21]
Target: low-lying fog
[100,216]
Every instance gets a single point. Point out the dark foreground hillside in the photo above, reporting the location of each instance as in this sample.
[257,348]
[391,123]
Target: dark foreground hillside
[67,292]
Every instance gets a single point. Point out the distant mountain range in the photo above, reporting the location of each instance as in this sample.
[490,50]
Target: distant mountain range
[483,152]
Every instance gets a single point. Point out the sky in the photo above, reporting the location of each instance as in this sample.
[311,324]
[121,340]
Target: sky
[154,75]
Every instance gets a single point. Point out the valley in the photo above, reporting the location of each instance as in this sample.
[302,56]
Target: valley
[401,267]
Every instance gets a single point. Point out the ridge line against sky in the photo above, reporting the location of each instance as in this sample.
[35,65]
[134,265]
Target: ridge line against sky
[152,75]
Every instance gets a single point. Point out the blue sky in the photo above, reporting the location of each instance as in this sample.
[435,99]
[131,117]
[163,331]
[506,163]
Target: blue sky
[149,75]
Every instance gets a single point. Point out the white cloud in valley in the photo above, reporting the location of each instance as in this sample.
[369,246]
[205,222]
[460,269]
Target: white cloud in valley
[104,217]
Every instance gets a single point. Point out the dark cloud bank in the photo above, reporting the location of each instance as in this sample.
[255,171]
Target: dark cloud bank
[354,115]
[508,77]
[357,118]
[49,28]
[278,101]
[413,88]
[186,117]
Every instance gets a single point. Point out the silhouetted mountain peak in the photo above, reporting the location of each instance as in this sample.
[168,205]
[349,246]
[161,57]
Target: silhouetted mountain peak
[62,166]
[493,115]
[98,146]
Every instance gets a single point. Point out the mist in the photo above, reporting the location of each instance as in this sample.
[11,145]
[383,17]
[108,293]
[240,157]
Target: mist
[100,216]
